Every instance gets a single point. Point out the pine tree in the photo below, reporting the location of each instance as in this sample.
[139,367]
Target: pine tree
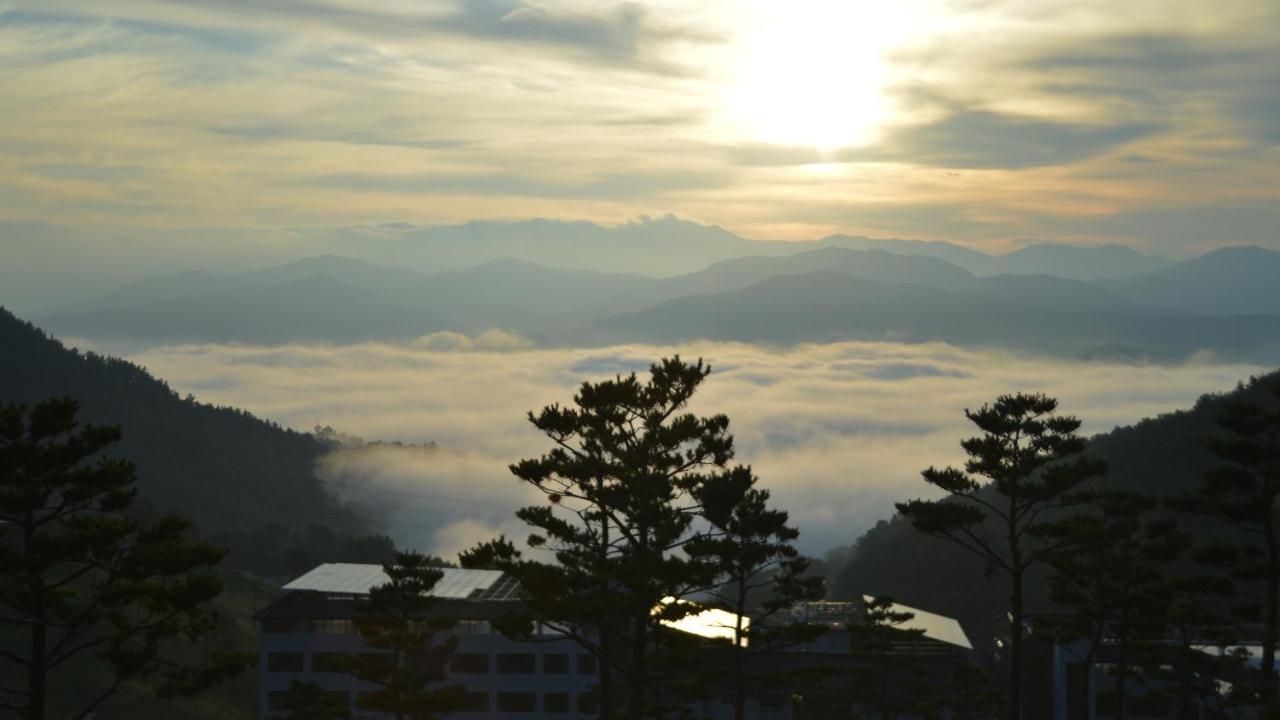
[887,681]
[412,644]
[1026,453]
[762,573]
[621,480]
[1110,570]
[81,577]
[1243,493]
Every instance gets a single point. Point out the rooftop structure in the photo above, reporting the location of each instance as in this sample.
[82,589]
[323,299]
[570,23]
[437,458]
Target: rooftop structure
[303,632]
[935,627]
[359,579]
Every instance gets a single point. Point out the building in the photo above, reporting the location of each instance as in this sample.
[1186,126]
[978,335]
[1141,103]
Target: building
[506,679]
[313,622]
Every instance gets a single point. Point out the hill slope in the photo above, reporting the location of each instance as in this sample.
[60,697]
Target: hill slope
[1158,456]
[226,469]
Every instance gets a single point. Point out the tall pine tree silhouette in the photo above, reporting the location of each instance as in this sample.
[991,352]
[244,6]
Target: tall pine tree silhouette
[82,577]
[1243,493]
[411,644]
[1028,456]
[761,572]
[622,480]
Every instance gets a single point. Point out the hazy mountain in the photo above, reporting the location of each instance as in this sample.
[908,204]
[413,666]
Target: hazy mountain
[830,292]
[1077,262]
[874,264]
[282,305]
[1035,313]
[972,260]
[335,299]
[1227,281]
[1081,262]
[1159,456]
[656,247]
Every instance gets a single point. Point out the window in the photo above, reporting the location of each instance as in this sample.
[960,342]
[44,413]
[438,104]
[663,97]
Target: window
[555,664]
[285,662]
[472,627]
[276,626]
[587,664]
[474,702]
[326,662]
[335,627]
[557,702]
[469,664]
[517,663]
[517,702]
[336,698]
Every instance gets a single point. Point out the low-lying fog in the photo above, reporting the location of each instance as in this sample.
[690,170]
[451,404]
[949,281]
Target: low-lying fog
[837,431]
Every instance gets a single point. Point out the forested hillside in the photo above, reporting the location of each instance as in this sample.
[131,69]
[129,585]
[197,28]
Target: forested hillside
[244,481]
[1158,457]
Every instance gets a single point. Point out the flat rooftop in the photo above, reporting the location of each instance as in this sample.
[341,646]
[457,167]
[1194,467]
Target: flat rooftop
[359,579]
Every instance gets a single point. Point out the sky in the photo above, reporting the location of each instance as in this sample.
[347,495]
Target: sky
[228,124]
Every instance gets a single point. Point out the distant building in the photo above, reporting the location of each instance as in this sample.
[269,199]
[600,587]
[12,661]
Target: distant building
[1063,684]
[507,679]
[302,631]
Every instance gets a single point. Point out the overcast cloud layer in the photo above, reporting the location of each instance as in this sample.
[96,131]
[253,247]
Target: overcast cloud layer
[1155,122]
[837,432]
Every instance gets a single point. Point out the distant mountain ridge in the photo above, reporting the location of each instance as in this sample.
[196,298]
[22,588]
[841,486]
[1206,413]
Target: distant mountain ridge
[333,299]
[1041,314]
[669,246]
[848,294]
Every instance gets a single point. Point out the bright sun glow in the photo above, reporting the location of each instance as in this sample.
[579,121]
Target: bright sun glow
[813,73]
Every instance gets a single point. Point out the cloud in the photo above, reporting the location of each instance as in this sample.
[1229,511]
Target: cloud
[837,431]
[966,139]
[1003,119]
[976,139]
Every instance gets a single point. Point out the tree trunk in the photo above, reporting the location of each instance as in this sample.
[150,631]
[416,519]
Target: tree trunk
[639,666]
[1015,614]
[1122,672]
[606,656]
[739,682]
[1269,622]
[37,673]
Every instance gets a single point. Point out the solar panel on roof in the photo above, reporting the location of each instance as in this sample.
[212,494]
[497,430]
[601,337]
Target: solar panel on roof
[937,627]
[358,579]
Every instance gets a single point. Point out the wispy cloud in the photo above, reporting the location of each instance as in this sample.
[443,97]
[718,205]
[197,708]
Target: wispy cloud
[1023,120]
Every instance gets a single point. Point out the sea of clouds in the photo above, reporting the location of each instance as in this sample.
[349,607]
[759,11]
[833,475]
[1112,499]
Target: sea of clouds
[836,431]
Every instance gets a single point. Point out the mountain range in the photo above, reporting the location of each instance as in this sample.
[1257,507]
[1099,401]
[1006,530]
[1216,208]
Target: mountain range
[668,246]
[1226,301]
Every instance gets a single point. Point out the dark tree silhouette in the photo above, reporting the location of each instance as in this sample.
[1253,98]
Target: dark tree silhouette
[412,642]
[622,480]
[1182,671]
[1243,493]
[887,682]
[80,577]
[1025,451]
[1111,570]
[762,574]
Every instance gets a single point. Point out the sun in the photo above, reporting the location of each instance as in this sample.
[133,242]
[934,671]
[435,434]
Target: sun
[810,73]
